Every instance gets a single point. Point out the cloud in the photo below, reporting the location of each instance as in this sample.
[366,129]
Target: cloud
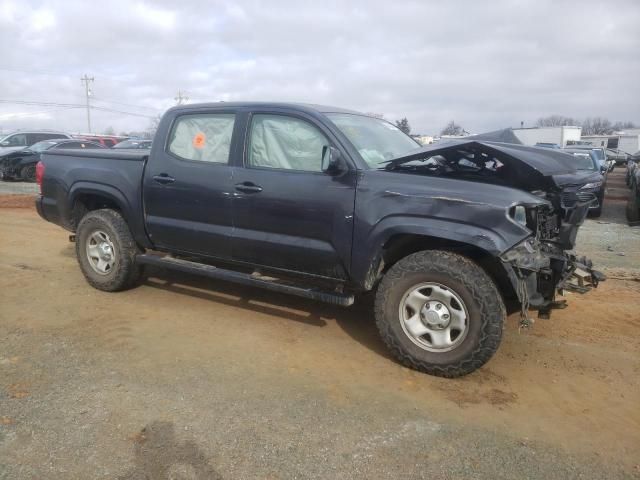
[484,65]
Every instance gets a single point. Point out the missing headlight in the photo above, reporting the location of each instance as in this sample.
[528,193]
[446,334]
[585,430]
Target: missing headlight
[519,214]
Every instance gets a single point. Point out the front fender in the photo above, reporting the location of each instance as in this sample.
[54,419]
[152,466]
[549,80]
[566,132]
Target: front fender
[366,258]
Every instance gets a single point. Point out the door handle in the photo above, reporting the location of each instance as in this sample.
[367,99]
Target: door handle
[248,187]
[163,179]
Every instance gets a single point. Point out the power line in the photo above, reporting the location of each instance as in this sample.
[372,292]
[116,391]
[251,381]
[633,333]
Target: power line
[73,105]
[45,104]
[124,104]
[29,114]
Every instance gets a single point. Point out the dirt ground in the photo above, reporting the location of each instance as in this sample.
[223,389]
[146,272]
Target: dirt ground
[187,378]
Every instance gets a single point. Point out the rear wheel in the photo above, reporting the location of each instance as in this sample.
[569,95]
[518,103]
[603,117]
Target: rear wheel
[440,313]
[106,251]
[28,173]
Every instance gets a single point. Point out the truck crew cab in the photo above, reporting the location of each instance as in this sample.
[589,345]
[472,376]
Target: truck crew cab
[329,204]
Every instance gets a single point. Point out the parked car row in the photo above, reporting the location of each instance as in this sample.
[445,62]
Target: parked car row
[590,180]
[20,151]
[633,182]
[21,164]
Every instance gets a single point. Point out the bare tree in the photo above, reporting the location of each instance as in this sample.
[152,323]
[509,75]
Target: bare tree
[150,132]
[452,128]
[597,126]
[109,131]
[618,126]
[403,125]
[556,121]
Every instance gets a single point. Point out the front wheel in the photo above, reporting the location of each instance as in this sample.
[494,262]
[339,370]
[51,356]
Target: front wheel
[440,313]
[106,251]
[28,173]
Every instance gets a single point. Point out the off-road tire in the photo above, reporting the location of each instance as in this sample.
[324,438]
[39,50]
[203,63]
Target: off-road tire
[126,272]
[486,312]
[28,173]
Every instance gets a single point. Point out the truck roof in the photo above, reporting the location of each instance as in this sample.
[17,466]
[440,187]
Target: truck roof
[303,107]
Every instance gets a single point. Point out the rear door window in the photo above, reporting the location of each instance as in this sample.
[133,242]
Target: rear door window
[202,137]
[17,140]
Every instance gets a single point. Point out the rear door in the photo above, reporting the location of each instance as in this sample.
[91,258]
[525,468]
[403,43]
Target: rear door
[288,214]
[187,185]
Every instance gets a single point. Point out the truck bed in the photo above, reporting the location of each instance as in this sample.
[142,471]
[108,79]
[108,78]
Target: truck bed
[70,174]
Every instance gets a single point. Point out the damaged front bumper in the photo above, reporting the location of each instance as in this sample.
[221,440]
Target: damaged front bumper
[539,268]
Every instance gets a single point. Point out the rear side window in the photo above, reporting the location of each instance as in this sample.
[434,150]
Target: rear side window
[202,137]
[17,140]
[78,145]
[47,136]
[67,145]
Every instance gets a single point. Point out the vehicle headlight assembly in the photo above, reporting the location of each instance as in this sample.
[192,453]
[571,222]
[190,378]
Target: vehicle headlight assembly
[591,185]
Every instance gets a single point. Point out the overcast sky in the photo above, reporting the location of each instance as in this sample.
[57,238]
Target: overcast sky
[484,66]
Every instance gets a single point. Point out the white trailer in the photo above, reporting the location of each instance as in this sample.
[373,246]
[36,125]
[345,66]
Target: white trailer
[625,142]
[557,135]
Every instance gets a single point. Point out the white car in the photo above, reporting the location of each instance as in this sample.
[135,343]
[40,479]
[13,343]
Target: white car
[25,138]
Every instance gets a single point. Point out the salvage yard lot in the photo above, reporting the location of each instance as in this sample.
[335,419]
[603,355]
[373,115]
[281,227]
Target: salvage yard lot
[190,378]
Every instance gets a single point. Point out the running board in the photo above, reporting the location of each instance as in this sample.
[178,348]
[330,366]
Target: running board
[210,271]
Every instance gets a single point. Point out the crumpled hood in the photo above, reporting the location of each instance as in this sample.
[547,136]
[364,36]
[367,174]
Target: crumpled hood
[540,161]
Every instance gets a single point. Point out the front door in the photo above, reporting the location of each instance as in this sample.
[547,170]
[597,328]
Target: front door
[187,186]
[288,214]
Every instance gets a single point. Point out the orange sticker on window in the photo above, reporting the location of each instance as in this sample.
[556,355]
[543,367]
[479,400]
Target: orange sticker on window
[199,139]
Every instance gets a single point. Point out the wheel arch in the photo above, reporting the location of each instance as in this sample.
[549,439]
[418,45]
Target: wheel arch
[86,197]
[400,245]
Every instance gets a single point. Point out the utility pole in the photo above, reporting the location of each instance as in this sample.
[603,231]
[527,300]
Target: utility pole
[86,80]
[181,98]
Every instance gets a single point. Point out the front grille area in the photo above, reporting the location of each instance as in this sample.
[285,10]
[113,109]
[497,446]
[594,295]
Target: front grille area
[547,226]
[570,198]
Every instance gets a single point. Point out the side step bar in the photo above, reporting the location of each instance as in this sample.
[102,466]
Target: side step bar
[210,271]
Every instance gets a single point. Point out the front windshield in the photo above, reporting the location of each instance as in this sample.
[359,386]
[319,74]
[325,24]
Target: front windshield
[583,161]
[42,146]
[599,154]
[376,140]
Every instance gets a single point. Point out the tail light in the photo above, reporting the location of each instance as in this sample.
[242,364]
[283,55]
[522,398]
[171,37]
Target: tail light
[39,175]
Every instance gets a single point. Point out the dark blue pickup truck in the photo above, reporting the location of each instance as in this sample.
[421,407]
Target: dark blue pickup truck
[330,204]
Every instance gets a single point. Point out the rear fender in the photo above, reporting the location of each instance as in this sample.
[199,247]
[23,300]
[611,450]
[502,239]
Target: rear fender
[113,196]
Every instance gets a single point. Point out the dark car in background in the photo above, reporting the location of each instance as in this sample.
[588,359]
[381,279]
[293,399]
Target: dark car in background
[618,156]
[133,144]
[632,167]
[605,163]
[21,164]
[588,183]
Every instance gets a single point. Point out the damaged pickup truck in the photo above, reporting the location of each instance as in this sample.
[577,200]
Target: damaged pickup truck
[330,204]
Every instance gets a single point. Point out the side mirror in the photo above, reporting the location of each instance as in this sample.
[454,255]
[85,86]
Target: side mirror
[332,162]
[5,144]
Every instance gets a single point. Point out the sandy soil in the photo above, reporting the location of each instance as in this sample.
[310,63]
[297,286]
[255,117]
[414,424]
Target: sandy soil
[188,378]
